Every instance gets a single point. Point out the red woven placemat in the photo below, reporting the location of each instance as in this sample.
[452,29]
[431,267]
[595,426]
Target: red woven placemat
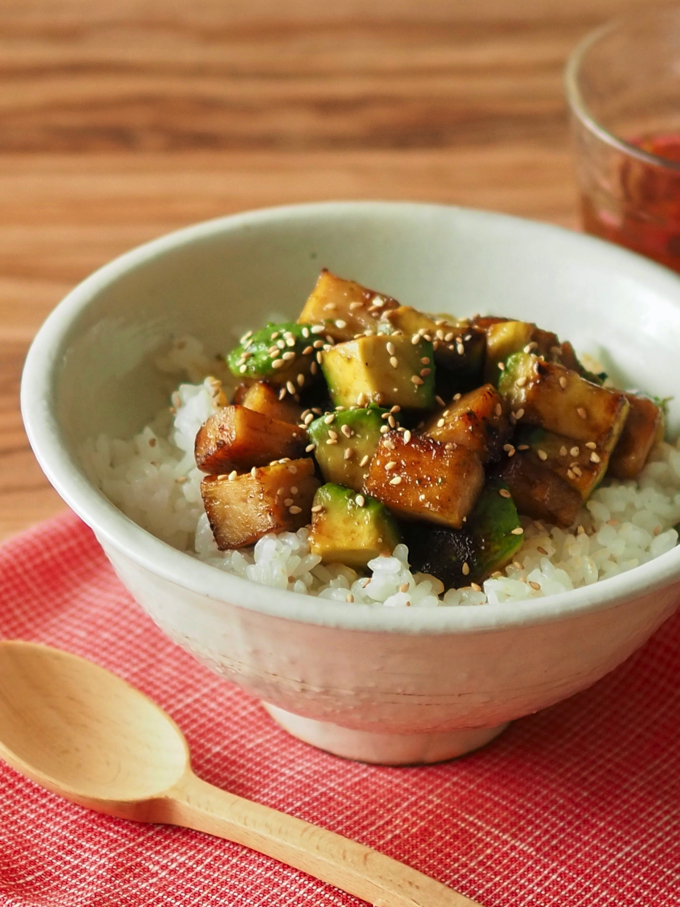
[577,805]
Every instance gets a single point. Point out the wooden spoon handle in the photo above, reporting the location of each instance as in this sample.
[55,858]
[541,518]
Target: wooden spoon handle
[350,866]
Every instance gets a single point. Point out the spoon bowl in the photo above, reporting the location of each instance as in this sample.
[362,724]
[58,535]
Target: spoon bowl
[82,732]
[87,735]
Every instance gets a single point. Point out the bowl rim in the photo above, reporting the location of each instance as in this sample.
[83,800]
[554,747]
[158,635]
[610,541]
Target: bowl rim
[114,529]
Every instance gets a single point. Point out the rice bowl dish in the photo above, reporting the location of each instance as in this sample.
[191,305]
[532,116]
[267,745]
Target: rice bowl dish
[154,479]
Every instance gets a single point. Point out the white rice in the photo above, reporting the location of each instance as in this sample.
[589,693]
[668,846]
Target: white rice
[154,480]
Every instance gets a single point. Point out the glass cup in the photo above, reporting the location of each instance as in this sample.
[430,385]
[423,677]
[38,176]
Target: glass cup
[623,89]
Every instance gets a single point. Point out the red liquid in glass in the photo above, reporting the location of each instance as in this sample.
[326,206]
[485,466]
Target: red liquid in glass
[647,217]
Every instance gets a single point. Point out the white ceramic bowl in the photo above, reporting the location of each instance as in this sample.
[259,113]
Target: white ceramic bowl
[381,685]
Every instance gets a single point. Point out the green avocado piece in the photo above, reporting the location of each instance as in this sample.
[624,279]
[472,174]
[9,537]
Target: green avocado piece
[354,430]
[265,355]
[386,369]
[350,528]
[485,544]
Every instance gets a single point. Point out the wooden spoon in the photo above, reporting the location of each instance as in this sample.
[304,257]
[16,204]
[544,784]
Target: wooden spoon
[89,736]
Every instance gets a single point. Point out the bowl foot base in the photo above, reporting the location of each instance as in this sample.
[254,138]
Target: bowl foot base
[384,749]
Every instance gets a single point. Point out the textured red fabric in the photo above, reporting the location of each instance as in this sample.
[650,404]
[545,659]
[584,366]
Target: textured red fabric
[577,805]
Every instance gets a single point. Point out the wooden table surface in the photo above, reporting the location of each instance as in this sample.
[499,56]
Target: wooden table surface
[121,121]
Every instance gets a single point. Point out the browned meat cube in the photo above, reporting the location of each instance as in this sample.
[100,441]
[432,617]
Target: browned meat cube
[421,478]
[263,398]
[478,420]
[344,307]
[238,438]
[644,427]
[275,498]
[538,491]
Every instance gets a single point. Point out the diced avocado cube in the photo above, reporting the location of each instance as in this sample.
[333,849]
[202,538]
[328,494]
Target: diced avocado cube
[538,491]
[478,420]
[582,464]
[558,399]
[385,369]
[275,498]
[345,443]
[504,338]
[279,354]
[350,528]
[643,429]
[457,347]
[489,540]
[344,307]
[422,479]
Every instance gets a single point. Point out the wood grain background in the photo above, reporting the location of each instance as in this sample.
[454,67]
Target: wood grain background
[121,121]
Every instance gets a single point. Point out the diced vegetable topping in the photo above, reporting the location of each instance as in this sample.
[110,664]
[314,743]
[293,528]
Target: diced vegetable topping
[346,441]
[420,478]
[643,428]
[350,528]
[401,413]
[273,402]
[238,438]
[581,464]
[344,307]
[478,420]
[243,508]
[282,354]
[458,348]
[538,491]
[387,369]
[562,401]
[491,537]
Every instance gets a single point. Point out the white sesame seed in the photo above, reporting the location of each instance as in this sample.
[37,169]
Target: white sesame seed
[390,466]
[396,480]
[290,387]
[288,502]
[465,569]
[504,493]
[360,500]
[574,451]
[390,348]
[582,413]
[332,434]
[317,508]
[563,382]
[542,455]
[518,531]
[329,418]
[394,362]
[313,368]
[295,509]
[407,436]
[364,460]
[232,475]
[417,380]
[501,366]
[594,458]
[308,418]
[278,363]
[287,356]
[521,381]
[310,447]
